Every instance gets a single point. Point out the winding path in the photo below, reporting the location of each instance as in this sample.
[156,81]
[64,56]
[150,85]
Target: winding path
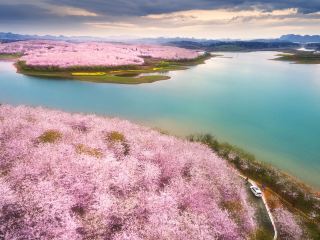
[275,236]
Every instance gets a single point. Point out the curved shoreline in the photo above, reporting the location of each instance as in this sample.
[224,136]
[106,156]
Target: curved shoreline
[255,182]
[294,194]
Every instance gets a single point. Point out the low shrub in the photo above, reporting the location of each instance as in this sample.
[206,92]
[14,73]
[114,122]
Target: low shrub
[117,137]
[262,234]
[50,136]
[83,149]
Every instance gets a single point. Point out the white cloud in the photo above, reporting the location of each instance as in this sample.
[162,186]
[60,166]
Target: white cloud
[59,10]
[69,11]
[216,23]
[111,24]
[219,23]
[218,15]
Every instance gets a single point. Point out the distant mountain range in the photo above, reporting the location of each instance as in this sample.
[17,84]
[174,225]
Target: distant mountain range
[301,38]
[4,37]
[237,45]
[8,37]
[284,42]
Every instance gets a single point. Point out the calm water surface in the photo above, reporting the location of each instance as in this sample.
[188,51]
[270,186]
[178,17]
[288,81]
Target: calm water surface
[269,108]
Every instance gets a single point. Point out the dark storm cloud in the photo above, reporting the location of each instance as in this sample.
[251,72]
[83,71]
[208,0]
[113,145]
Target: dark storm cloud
[29,11]
[23,11]
[122,16]
[144,7]
[108,9]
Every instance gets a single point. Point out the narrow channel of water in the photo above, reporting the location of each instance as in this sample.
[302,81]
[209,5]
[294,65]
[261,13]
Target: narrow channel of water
[269,108]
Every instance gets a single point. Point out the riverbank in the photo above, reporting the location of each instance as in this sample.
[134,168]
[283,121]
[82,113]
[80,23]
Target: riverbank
[53,131]
[295,196]
[152,70]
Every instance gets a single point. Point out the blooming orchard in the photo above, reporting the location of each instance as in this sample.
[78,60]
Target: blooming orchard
[74,176]
[287,224]
[66,54]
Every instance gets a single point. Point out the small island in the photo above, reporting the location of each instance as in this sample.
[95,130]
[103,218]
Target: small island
[98,61]
[300,57]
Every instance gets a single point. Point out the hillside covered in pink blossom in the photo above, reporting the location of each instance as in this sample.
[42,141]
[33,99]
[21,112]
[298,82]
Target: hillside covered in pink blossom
[74,176]
[66,54]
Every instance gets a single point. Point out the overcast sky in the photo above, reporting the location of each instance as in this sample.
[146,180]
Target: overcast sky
[244,19]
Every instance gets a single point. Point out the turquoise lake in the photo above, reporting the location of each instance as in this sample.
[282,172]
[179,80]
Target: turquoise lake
[269,108]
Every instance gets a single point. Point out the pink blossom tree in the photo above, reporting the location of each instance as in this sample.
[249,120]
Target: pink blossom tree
[74,176]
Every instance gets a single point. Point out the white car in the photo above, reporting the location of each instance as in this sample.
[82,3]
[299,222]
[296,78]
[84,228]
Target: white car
[256,191]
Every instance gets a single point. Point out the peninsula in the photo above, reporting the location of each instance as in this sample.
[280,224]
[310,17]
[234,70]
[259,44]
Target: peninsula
[98,61]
